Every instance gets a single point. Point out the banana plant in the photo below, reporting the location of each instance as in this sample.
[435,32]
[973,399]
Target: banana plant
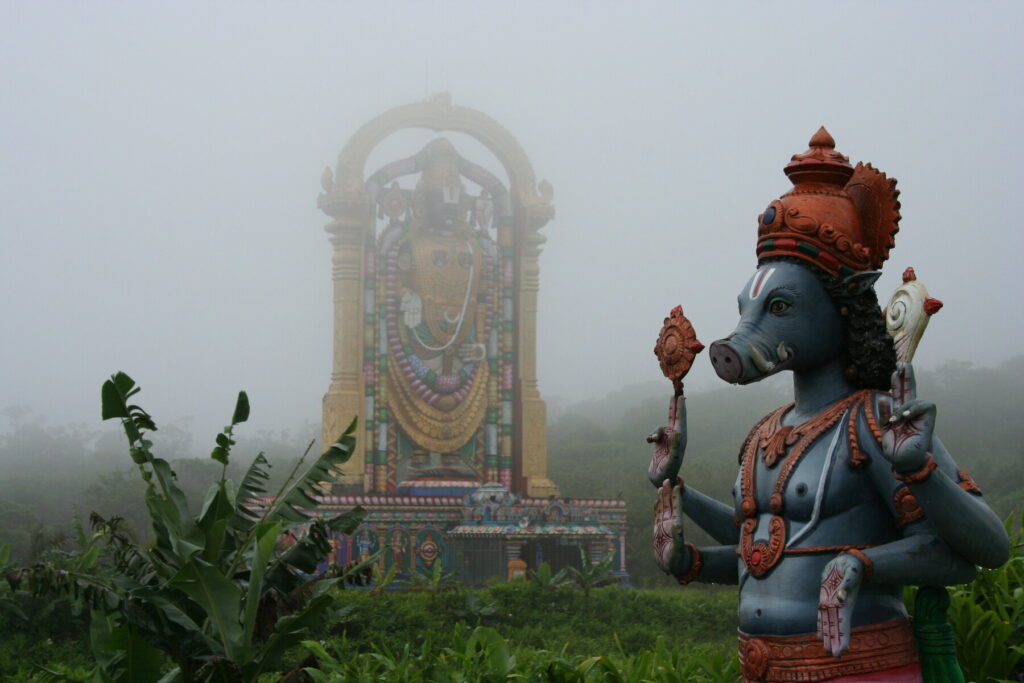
[544,579]
[592,574]
[213,593]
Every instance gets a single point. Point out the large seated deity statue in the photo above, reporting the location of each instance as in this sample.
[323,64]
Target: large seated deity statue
[846,495]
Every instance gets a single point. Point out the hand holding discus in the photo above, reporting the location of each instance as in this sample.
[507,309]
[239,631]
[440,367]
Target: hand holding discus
[676,348]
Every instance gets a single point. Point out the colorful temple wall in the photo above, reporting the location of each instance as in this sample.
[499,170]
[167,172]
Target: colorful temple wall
[476,538]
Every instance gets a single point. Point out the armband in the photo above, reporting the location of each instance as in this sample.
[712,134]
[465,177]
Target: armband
[696,564]
[921,475]
[869,567]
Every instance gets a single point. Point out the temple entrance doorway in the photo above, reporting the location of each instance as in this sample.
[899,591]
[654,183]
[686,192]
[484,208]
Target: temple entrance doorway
[559,553]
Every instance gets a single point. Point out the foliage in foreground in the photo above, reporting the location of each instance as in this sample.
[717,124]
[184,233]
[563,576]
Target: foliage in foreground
[212,592]
[484,655]
[612,619]
[988,617]
[539,625]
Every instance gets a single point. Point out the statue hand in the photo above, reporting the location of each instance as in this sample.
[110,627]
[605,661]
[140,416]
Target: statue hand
[669,548]
[472,353]
[412,308]
[907,423]
[840,583]
[669,444]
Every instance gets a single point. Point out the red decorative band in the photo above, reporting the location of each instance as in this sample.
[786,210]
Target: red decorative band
[875,648]
[696,564]
[784,246]
[921,475]
[822,549]
[869,566]
[968,484]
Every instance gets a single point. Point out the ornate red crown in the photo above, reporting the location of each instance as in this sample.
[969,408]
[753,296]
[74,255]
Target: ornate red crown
[841,219]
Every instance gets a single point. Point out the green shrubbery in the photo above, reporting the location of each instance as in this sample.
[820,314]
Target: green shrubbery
[987,616]
[485,655]
[419,634]
[611,620]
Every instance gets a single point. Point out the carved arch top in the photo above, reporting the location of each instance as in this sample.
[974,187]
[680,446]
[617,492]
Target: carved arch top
[345,190]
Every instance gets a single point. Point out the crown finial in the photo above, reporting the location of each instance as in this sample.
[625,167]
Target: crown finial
[821,163]
[822,139]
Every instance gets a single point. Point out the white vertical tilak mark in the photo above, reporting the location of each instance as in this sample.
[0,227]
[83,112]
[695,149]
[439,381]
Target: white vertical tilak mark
[757,286]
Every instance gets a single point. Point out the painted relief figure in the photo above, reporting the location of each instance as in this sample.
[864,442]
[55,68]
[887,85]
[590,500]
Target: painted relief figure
[846,495]
[440,298]
[439,357]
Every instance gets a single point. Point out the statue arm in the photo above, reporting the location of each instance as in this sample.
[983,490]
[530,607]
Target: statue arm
[717,519]
[920,558]
[909,447]
[684,561]
[960,517]
[714,517]
[924,555]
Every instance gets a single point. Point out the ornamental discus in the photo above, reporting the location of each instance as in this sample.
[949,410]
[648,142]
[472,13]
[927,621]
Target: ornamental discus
[676,348]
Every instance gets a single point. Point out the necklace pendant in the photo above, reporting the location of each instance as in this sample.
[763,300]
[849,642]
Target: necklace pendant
[760,556]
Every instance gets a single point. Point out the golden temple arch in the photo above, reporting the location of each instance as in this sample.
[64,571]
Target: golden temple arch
[435,310]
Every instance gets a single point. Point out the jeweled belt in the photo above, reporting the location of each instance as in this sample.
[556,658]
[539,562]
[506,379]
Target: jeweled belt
[874,648]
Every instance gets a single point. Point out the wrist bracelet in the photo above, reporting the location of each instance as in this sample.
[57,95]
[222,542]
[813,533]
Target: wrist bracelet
[921,474]
[696,564]
[869,567]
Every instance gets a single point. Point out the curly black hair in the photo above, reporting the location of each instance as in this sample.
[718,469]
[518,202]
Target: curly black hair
[869,349]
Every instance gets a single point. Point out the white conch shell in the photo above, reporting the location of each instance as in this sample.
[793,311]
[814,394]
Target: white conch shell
[907,314]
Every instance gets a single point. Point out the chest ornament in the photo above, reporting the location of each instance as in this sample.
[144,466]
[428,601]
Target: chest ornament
[776,443]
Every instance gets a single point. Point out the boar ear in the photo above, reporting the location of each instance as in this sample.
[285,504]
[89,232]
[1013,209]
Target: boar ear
[858,283]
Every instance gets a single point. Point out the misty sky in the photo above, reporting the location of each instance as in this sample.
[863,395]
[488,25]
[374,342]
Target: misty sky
[161,166]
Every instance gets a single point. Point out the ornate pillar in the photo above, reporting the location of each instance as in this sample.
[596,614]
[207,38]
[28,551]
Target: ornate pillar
[346,202]
[533,427]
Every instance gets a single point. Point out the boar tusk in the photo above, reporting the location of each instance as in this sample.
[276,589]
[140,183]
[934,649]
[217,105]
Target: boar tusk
[760,362]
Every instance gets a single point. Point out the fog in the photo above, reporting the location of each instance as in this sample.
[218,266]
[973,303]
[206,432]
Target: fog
[161,165]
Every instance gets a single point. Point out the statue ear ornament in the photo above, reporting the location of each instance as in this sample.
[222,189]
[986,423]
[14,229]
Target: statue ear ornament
[858,283]
[839,218]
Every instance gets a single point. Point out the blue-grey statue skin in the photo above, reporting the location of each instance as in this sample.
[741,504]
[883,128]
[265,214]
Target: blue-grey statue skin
[792,324]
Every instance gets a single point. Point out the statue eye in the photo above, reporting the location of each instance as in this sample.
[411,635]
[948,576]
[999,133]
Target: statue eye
[778,305]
